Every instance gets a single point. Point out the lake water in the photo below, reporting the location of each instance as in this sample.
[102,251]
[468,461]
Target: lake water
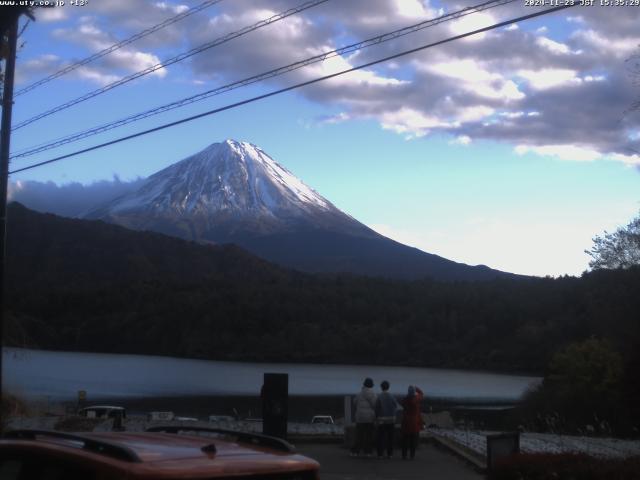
[35,374]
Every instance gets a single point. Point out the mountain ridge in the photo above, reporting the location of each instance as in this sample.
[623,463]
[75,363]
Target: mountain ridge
[80,285]
[233,192]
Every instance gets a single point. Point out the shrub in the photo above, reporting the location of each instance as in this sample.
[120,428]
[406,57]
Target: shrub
[12,406]
[77,424]
[566,466]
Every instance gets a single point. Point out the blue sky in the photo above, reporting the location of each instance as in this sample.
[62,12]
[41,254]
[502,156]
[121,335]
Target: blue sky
[510,149]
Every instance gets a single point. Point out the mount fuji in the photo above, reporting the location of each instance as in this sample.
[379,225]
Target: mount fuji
[233,192]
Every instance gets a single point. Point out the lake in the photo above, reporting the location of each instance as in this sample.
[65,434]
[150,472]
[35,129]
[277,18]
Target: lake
[37,374]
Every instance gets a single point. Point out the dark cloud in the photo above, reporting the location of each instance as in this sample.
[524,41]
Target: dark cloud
[38,67]
[522,85]
[70,200]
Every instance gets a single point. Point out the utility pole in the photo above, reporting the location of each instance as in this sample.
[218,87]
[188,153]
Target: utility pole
[10,27]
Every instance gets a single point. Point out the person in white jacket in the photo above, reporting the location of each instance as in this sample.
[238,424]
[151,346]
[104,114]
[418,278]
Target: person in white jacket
[365,403]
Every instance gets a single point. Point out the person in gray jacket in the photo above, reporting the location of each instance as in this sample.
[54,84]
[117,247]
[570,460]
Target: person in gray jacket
[365,403]
[386,408]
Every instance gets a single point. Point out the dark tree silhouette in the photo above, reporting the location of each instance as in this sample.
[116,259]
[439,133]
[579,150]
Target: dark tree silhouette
[620,249]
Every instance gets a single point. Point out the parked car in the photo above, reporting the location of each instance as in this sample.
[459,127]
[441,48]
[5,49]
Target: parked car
[160,416]
[170,453]
[322,419]
[103,411]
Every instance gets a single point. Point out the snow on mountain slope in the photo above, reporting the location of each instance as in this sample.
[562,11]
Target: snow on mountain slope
[233,192]
[230,186]
[230,175]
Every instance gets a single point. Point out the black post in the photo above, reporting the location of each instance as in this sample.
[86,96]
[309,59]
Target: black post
[501,446]
[5,140]
[275,404]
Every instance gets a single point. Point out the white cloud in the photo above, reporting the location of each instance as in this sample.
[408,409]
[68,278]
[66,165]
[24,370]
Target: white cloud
[410,8]
[620,47]
[338,118]
[95,76]
[137,61]
[464,140]
[462,70]
[415,124]
[552,46]
[47,15]
[512,115]
[563,152]
[411,121]
[579,154]
[631,160]
[474,78]
[176,9]
[547,78]
[474,113]
[127,59]
[470,23]
[362,77]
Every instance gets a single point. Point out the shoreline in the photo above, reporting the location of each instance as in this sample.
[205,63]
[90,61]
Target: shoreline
[328,363]
[301,408]
[203,388]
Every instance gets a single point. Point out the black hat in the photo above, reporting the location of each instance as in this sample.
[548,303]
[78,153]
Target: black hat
[368,382]
[384,385]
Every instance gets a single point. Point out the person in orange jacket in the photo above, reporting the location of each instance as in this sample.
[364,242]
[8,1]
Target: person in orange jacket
[411,421]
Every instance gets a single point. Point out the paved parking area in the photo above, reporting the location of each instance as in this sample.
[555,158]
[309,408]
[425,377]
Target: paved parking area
[431,462]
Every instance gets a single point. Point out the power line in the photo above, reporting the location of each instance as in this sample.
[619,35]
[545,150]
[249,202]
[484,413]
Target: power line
[116,46]
[171,61]
[260,77]
[294,87]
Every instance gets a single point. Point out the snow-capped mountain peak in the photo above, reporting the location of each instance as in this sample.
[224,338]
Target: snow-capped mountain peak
[229,176]
[253,156]
[233,192]
[227,182]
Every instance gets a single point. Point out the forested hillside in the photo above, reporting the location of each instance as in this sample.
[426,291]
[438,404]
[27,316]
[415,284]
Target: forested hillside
[88,286]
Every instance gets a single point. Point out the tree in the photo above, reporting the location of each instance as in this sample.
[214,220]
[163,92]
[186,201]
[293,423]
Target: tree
[591,367]
[582,391]
[620,249]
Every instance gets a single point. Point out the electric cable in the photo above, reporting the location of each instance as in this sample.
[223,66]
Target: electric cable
[296,86]
[117,46]
[29,151]
[172,60]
